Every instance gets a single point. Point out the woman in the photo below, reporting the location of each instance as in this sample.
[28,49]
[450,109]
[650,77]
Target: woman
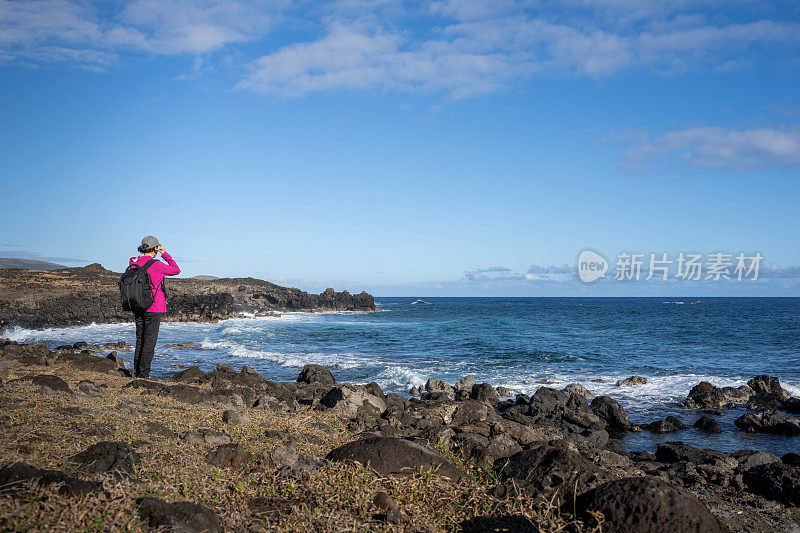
[147,323]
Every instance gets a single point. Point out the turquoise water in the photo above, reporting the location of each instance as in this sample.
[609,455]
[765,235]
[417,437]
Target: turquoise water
[514,342]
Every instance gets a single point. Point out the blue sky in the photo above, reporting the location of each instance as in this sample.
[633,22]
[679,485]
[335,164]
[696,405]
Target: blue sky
[407,148]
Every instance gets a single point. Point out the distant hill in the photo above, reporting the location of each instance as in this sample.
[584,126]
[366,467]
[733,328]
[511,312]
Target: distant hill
[29,264]
[203,277]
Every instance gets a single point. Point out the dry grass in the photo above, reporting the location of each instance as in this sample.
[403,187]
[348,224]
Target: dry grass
[45,430]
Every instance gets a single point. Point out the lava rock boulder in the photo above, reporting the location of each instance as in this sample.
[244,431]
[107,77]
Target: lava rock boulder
[316,374]
[388,455]
[647,505]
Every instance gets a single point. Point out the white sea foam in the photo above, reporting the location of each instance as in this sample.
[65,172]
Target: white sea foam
[268,339]
[659,390]
[92,333]
[337,361]
[399,378]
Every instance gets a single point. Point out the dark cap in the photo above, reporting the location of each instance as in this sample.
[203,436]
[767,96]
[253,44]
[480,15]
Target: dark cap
[150,242]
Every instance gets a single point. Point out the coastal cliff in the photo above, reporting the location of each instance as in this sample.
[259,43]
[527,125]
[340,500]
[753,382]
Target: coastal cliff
[78,296]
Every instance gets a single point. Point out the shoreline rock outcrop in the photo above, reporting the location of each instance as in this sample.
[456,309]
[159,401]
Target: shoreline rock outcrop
[80,296]
[553,444]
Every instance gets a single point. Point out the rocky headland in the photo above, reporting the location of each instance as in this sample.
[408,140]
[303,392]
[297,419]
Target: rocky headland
[79,296]
[86,447]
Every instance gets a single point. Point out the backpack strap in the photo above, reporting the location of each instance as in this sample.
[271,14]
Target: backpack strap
[147,265]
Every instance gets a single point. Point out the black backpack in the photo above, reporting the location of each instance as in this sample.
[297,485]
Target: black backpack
[136,288]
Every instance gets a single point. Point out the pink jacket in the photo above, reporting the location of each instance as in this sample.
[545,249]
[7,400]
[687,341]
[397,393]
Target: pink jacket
[158,271]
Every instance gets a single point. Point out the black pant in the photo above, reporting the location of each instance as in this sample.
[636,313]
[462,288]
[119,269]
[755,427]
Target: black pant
[146,337]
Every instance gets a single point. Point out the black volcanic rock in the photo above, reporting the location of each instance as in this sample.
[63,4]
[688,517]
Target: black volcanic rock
[316,374]
[192,375]
[15,476]
[612,412]
[178,516]
[484,392]
[792,405]
[772,421]
[673,452]
[117,458]
[708,425]
[643,505]
[791,459]
[93,363]
[667,425]
[704,395]
[777,481]
[395,456]
[548,468]
[79,296]
[768,386]
[49,382]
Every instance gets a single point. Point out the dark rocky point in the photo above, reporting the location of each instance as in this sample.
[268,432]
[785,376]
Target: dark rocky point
[577,388]
[749,458]
[182,346]
[37,299]
[792,405]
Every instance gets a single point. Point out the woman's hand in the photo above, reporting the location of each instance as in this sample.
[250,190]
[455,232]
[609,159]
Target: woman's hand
[160,250]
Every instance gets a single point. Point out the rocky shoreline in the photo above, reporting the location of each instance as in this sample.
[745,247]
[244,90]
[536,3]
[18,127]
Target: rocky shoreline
[80,296]
[553,446]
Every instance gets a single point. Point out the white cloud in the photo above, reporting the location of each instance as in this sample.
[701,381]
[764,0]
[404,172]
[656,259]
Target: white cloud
[718,148]
[92,34]
[535,273]
[196,27]
[473,9]
[774,271]
[457,47]
[355,57]
[476,47]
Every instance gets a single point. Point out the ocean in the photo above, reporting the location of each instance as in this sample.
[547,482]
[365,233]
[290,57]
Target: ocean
[514,342]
